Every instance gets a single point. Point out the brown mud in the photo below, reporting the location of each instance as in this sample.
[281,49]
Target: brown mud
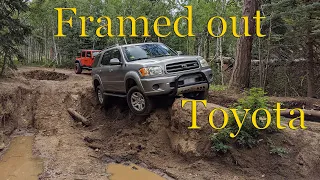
[18,162]
[32,102]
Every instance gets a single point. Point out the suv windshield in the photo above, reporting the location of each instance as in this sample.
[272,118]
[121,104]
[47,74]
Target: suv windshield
[147,51]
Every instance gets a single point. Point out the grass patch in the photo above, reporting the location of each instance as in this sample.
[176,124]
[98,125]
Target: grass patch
[218,87]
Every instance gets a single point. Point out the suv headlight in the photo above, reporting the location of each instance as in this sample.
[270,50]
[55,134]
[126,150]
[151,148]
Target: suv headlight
[150,71]
[204,63]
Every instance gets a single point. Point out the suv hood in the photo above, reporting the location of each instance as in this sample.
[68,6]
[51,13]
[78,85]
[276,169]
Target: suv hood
[165,60]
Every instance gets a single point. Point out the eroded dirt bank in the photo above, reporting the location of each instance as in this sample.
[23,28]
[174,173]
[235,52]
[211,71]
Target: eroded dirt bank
[36,100]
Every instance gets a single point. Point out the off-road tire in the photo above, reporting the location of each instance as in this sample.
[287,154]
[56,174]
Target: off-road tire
[201,95]
[101,98]
[148,103]
[77,68]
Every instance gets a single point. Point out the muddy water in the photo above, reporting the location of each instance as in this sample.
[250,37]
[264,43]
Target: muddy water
[18,163]
[130,172]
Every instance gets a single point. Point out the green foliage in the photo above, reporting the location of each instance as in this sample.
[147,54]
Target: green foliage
[220,140]
[218,88]
[43,19]
[280,151]
[12,31]
[249,135]
[66,64]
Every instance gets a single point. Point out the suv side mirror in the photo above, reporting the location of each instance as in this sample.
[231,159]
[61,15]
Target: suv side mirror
[179,53]
[115,61]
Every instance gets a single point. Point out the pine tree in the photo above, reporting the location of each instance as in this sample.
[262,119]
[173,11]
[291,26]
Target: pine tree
[296,32]
[12,31]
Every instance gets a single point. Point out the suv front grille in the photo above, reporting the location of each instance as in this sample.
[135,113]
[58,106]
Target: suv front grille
[182,66]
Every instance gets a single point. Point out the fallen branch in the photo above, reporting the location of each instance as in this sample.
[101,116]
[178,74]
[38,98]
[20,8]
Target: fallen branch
[309,114]
[76,116]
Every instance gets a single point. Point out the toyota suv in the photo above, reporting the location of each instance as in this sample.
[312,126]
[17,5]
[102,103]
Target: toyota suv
[139,72]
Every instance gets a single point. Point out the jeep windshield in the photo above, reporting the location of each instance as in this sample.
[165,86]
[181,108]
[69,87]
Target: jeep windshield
[147,51]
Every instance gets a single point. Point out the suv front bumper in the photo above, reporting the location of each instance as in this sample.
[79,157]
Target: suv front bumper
[173,84]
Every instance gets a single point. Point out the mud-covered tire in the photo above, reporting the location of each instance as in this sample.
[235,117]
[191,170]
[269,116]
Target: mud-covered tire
[139,103]
[101,98]
[201,95]
[77,68]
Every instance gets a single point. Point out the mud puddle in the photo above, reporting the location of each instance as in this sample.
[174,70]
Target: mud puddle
[18,162]
[130,172]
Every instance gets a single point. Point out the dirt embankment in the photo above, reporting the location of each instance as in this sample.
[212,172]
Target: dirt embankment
[32,103]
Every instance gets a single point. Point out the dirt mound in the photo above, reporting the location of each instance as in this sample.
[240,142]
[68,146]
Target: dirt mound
[16,111]
[192,142]
[45,75]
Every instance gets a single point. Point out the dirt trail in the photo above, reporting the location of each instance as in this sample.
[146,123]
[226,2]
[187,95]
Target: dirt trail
[66,155]
[36,100]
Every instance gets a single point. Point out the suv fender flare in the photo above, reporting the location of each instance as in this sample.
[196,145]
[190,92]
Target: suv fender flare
[78,61]
[135,76]
[96,77]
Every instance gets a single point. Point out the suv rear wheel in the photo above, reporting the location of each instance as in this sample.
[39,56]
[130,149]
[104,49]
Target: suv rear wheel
[102,99]
[77,68]
[201,95]
[139,103]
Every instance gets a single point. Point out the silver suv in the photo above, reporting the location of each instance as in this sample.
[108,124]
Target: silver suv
[139,72]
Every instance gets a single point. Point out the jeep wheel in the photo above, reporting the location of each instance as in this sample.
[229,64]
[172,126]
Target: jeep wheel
[201,95]
[102,99]
[77,68]
[139,103]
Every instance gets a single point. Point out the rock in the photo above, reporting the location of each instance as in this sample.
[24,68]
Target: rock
[88,139]
[192,142]
[75,97]
[2,146]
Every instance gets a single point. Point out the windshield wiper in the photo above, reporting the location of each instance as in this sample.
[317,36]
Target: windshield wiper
[140,59]
[163,55]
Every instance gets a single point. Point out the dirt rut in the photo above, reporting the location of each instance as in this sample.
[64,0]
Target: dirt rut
[73,151]
[40,107]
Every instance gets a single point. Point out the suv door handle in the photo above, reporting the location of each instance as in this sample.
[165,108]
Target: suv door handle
[110,70]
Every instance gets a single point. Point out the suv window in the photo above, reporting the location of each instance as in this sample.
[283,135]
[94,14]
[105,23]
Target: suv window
[83,54]
[106,58]
[96,60]
[116,54]
[88,54]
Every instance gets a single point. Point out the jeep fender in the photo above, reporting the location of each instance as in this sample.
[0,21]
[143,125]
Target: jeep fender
[78,61]
[134,76]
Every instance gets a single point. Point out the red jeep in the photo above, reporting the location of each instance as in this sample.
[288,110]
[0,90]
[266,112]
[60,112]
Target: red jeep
[85,60]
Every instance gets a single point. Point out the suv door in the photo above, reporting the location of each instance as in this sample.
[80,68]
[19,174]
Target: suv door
[104,70]
[117,72]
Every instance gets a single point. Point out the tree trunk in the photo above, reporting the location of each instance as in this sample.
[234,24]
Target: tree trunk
[4,63]
[310,63]
[241,71]
[208,47]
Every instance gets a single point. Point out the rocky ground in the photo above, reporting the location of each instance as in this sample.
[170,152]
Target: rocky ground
[35,101]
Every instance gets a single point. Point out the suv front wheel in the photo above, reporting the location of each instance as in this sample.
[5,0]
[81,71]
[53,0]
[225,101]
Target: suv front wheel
[139,103]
